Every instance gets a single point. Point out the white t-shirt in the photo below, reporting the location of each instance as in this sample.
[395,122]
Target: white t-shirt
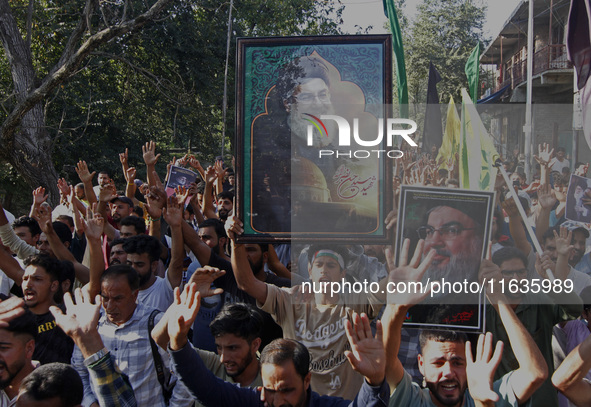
[5,284]
[557,165]
[5,401]
[159,295]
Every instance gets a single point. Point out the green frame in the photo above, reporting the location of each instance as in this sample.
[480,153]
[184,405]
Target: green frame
[363,62]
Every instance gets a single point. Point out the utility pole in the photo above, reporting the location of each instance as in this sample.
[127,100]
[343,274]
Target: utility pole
[527,128]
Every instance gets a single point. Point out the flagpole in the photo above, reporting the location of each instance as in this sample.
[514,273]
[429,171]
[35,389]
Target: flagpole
[225,98]
[527,128]
[528,227]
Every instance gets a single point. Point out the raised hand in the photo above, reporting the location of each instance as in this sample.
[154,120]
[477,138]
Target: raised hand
[93,227]
[220,172]
[544,154]
[80,318]
[80,321]
[124,158]
[203,278]
[194,162]
[9,309]
[563,240]
[130,174]
[182,161]
[182,193]
[155,201]
[149,153]
[181,315]
[408,273]
[582,169]
[83,173]
[367,355]
[480,370]
[64,187]
[39,196]
[210,175]
[234,227]
[107,193]
[173,213]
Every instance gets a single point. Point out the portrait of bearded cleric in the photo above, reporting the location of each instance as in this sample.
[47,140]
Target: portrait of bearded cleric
[455,225]
[294,188]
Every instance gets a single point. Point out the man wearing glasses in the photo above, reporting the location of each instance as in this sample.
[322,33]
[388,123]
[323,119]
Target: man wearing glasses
[456,237]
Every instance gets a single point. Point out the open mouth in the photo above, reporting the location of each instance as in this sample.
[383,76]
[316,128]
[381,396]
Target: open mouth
[29,294]
[449,388]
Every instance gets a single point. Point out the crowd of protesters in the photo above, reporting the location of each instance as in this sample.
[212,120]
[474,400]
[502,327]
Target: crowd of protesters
[126,295]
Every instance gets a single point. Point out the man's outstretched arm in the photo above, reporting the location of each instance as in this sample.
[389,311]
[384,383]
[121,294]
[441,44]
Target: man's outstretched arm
[569,377]
[398,304]
[245,278]
[80,323]
[532,370]
[367,357]
[9,238]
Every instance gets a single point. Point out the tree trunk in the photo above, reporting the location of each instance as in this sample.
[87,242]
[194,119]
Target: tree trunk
[24,140]
[32,154]
[30,148]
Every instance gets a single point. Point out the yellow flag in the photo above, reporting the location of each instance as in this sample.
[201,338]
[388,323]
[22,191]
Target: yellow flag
[477,151]
[450,144]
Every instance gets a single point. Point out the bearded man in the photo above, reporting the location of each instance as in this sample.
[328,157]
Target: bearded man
[280,139]
[455,237]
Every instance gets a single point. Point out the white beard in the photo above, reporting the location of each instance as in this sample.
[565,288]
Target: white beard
[299,126]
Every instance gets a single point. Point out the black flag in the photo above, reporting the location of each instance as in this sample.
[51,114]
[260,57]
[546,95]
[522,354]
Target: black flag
[433,130]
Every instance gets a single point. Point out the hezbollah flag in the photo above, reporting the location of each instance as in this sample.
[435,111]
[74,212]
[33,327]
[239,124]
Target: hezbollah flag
[477,152]
[451,137]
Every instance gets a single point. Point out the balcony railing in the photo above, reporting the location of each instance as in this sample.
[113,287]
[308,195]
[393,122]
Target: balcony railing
[548,58]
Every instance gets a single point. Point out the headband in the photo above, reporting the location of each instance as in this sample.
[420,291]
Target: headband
[330,253]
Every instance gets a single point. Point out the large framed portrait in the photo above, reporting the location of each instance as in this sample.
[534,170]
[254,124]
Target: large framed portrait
[312,144]
[457,225]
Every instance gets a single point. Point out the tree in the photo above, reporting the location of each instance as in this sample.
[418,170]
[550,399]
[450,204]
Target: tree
[79,80]
[24,140]
[444,32]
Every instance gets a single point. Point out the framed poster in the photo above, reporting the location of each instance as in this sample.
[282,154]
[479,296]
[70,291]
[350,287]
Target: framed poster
[311,144]
[578,199]
[179,177]
[456,224]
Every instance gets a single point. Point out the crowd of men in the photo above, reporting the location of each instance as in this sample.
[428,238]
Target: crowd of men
[135,297]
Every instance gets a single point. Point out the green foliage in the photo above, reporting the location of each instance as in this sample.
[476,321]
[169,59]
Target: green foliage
[163,83]
[444,32]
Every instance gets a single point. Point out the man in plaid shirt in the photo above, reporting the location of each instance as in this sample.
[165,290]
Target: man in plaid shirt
[124,331]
